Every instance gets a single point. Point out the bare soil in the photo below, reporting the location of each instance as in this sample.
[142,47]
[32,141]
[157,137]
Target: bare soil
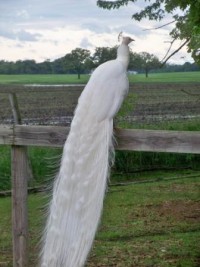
[150,102]
[188,211]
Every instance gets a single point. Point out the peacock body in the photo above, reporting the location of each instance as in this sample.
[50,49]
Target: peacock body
[80,185]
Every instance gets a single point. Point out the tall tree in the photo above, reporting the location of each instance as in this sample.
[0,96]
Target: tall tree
[103,54]
[58,65]
[45,67]
[135,61]
[186,23]
[148,62]
[30,66]
[76,60]
[143,62]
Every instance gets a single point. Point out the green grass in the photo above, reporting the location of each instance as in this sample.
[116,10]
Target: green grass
[144,224]
[44,162]
[176,77]
[5,170]
[42,79]
[69,79]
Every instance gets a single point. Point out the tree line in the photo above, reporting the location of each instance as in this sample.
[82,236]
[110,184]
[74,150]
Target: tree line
[82,61]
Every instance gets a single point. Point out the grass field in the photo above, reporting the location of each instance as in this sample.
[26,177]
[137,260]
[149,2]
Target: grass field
[176,77]
[154,223]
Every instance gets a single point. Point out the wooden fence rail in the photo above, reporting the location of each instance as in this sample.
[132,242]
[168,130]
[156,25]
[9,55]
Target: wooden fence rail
[127,139]
[20,136]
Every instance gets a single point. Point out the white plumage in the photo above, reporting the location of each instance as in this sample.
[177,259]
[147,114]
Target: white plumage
[80,185]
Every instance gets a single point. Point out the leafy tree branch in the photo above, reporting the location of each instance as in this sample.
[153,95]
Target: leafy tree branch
[187,25]
[176,51]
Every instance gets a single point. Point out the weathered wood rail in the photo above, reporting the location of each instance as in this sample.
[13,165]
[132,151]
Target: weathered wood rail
[20,136]
[127,139]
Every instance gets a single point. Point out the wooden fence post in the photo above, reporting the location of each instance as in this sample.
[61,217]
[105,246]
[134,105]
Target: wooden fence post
[15,108]
[21,173]
[18,120]
[19,206]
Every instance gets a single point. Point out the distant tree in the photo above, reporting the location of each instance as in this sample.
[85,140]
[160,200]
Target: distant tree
[143,62]
[45,67]
[76,60]
[186,23]
[58,65]
[29,66]
[89,65]
[135,61]
[148,62]
[103,54]
[20,66]
[2,67]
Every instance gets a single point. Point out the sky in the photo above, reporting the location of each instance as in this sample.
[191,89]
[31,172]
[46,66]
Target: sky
[49,29]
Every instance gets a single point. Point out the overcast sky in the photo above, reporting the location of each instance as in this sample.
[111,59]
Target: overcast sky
[49,29]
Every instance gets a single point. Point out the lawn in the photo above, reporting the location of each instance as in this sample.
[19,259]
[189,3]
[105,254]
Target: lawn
[152,223]
[42,79]
[71,79]
[177,77]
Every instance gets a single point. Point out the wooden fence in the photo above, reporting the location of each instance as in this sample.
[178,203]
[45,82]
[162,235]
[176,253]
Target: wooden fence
[20,136]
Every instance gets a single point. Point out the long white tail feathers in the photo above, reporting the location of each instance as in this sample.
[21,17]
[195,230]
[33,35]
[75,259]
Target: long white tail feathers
[80,186]
[78,192]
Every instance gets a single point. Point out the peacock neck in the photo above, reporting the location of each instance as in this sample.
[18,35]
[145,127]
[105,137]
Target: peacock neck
[123,54]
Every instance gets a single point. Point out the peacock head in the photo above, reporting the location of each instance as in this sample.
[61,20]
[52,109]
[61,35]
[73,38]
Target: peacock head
[125,39]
